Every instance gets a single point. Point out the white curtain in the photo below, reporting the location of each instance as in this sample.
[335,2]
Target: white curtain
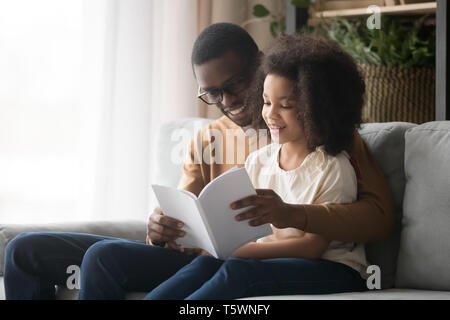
[84,86]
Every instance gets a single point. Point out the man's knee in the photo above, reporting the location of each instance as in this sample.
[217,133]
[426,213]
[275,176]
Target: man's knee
[206,262]
[101,251]
[236,268]
[23,246]
[17,242]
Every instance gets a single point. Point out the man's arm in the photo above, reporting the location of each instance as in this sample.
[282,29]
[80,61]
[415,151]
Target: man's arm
[370,218]
[191,180]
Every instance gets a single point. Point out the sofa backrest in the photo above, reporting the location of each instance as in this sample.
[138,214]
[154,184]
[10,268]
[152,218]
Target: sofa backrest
[424,255]
[171,147]
[386,142]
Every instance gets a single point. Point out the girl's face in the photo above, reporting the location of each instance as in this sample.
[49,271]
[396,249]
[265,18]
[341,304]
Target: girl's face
[280,110]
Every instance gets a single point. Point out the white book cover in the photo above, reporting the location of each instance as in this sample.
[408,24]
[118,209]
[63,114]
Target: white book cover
[208,220]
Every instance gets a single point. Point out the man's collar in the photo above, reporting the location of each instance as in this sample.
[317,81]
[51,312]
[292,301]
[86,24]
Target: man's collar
[249,131]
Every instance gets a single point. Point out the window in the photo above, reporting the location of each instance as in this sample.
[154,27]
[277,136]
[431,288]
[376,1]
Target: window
[40,59]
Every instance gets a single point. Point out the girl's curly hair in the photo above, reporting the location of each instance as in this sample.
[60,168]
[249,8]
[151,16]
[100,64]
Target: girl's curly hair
[328,87]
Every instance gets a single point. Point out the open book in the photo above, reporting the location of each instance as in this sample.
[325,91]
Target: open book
[208,220]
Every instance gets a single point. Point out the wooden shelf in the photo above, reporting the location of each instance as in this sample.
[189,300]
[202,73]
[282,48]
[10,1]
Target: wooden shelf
[416,8]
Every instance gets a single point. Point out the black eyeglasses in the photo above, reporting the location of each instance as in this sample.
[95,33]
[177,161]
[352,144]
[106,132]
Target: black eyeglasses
[232,86]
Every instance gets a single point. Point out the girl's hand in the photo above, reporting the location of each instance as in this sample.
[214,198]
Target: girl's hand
[269,208]
[174,246]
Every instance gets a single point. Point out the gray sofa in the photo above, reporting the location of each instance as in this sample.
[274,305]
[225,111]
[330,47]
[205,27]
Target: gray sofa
[413,261]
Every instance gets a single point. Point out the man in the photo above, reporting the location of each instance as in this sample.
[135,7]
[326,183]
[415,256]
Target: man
[224,59]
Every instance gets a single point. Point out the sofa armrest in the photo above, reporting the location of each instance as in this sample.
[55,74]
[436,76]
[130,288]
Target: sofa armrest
[126,229]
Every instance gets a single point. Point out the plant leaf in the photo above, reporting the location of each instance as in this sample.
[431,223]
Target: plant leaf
[260,11]
[274,28]
[301,3]
[400,43]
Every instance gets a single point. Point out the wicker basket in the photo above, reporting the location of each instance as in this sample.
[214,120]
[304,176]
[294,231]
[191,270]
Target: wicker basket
[398,94]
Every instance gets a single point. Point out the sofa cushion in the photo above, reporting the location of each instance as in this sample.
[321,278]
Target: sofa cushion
[424,256]
[63,293]
[386,143]
[388,294]
[129,229]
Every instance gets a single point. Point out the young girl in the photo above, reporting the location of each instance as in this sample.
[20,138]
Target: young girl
[313,95]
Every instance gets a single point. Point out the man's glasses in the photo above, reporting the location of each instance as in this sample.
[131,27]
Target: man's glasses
[232,86]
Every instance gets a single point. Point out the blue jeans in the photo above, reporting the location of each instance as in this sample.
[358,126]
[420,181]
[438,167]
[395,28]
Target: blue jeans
[210,278]
[110,267]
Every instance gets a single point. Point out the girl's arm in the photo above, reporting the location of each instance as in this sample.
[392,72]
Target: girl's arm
[369,218]
[310,246]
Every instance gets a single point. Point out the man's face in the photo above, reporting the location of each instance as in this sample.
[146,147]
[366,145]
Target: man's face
[228,75]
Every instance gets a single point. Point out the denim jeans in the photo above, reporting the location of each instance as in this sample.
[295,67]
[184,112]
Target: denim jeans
[110,267]
[210,278]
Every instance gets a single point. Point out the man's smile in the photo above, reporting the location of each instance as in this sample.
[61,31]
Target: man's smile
[236,113]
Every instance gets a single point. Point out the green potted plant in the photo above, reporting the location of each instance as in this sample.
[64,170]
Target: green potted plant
[278,20]
[397,62]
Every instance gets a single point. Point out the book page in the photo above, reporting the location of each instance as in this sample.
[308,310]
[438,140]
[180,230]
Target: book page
[183,205]
[205,188]
[215,200]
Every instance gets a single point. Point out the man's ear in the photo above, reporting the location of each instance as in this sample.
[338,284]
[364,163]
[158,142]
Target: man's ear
[193,72]
[260,55]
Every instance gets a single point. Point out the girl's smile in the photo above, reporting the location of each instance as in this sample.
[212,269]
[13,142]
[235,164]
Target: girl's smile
[275,129]
[279,111]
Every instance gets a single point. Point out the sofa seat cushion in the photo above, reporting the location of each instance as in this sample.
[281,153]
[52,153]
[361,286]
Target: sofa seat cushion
[2,289]
[66,294]
[424,256]
[387,294]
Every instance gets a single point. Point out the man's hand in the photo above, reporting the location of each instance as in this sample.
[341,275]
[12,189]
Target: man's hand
[269,208]
[161,228]
[196,252]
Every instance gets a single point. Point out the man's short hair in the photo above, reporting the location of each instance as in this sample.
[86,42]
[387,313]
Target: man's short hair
[219,38]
